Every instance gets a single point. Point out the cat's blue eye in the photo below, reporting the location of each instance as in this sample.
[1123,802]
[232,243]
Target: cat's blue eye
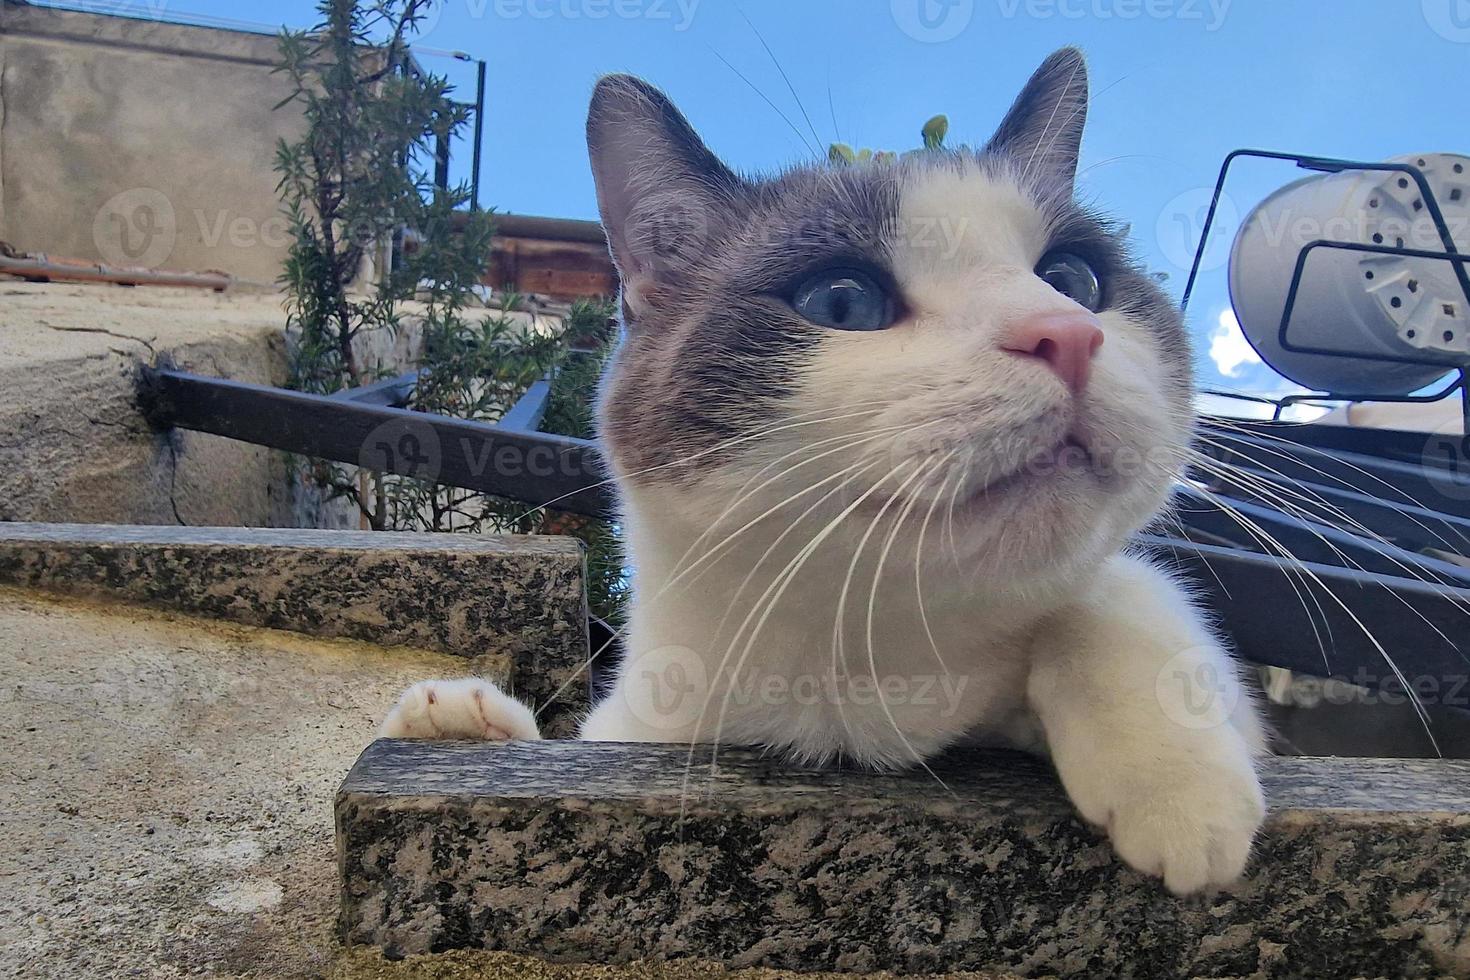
[844,299]
[1073,277]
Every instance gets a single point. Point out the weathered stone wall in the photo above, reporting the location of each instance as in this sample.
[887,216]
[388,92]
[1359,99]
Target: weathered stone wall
[135,142]
[74,445]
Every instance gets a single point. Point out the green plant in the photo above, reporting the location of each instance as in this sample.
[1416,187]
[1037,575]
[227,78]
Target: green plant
[355,188]
[356,178]
[473,369]
[932,134]
[356,191]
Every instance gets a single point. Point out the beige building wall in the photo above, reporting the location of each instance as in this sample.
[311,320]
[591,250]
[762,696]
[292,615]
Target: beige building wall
[134,142]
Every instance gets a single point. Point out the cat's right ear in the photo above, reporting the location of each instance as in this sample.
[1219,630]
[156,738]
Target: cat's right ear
[662,194]
[1042,131]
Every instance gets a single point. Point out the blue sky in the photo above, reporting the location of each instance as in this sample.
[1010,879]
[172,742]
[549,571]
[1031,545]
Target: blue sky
[1176,84]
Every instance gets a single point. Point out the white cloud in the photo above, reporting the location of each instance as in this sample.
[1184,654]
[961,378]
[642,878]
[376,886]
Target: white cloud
[1229,349]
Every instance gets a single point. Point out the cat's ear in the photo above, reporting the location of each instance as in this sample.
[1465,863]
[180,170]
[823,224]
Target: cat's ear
[662,194]
[1042,132]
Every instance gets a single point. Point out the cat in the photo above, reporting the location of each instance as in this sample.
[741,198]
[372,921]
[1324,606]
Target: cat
[881,433]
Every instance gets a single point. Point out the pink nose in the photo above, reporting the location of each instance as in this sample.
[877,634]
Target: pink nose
[1065,341]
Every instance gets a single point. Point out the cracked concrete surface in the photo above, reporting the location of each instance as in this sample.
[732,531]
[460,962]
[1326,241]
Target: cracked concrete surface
[167,800]
[168,793]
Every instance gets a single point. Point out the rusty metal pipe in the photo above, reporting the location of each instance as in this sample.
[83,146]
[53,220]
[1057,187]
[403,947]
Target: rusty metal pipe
[40,268]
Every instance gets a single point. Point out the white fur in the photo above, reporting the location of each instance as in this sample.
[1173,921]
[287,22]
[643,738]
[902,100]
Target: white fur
[750,626]
[465,708]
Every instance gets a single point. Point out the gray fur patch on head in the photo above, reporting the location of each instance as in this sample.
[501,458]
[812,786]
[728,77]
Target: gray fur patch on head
[716,361]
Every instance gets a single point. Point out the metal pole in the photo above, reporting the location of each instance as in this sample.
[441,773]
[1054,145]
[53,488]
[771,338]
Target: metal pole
[441,161]
[479,131]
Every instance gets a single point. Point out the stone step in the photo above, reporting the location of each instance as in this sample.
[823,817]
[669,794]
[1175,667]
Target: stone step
[605,852]
[513,606]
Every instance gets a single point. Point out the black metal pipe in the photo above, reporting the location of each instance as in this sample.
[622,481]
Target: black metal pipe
[479,133]
[1378,631]
[441,161]
[537,468]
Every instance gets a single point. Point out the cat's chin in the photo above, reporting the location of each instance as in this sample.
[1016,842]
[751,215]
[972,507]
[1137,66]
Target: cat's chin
[1038,527]
[1067,466]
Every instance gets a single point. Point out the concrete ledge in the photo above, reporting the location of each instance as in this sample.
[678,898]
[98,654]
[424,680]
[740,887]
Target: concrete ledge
[608,852]
[514,605]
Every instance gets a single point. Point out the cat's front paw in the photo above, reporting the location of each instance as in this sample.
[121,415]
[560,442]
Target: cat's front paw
[468,708]
[1192,829]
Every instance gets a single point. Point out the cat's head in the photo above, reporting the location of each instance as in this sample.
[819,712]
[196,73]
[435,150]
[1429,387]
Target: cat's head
[950,334]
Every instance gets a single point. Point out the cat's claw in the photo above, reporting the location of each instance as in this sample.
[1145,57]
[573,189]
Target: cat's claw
[1195,834]
[467,708]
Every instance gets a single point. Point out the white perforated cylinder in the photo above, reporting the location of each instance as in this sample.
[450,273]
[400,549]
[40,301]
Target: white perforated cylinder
[1356,301]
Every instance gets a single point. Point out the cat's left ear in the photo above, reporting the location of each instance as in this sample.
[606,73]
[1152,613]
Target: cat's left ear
[664,197]
[1042,132]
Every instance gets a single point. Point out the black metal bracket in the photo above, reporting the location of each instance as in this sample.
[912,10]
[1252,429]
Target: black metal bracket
[1383,632]
[361,427]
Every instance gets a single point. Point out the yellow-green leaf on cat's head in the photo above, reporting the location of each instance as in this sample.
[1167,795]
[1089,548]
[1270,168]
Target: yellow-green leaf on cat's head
[934,132]
[864,155]
[885,156]
[841,154]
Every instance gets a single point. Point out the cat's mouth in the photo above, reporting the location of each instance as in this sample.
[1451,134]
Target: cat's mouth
[1068,458]
[1072,462]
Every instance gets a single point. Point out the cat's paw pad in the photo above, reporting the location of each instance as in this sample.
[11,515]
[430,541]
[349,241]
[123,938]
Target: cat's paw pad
[468,708]
[1195,835]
